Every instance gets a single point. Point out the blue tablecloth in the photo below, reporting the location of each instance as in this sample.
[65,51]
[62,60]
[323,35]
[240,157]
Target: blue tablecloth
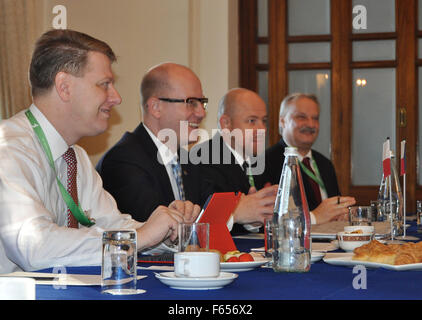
[322,282]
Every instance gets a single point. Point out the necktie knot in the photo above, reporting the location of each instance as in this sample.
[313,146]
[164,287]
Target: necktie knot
[306,161]
[70,157]
[245,166]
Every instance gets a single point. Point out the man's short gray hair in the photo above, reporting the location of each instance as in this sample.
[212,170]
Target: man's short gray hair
[289,99]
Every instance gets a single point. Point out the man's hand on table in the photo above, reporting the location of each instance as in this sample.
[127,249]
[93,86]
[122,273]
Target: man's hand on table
[334,208]
[256,206]
[163,223]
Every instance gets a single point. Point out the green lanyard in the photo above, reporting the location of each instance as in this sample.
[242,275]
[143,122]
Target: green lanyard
[250,177]
[75,209]
[314,177]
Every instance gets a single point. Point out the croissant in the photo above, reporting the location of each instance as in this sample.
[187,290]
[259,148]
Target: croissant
[394,254]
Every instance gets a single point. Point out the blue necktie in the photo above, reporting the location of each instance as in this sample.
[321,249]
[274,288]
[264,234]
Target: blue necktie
[177,173]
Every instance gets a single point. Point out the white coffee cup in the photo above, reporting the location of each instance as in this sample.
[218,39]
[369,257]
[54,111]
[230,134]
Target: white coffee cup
[196,264]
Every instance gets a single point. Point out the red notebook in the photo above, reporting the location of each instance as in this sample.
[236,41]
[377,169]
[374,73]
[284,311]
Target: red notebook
[216,212]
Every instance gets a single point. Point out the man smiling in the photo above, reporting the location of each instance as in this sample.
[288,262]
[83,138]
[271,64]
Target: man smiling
[299,127]
[149,167]
[143,170]
[53,207]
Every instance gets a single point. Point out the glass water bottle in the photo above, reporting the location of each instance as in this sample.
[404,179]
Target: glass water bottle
[292,226]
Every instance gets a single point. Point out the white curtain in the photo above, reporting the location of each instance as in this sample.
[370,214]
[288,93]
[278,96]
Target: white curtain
[21,23]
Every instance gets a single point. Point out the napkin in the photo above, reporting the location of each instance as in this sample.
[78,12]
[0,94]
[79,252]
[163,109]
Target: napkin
[337,226]
[61,279]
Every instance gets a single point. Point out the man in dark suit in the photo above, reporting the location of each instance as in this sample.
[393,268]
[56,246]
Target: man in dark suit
[299,127]
[148,167]
[231,162]
[141,171]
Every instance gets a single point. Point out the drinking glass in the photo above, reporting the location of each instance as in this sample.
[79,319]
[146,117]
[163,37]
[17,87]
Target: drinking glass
[360,216]
[419,215]
[193,236]
[268,235]
[118,269]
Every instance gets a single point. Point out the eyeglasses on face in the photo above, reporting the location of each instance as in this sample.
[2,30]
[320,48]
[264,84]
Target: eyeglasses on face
[191,101]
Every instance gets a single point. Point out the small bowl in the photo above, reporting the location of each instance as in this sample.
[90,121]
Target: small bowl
[365,229]
[349,242]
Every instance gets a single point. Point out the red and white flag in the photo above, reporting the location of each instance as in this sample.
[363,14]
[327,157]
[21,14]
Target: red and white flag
[403,158]
[386,158]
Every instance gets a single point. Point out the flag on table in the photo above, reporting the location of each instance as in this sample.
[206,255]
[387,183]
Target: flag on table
[403,158]
[386,158]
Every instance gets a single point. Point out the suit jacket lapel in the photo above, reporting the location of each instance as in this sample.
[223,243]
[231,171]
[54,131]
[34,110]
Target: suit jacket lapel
[235,170]
[159,169]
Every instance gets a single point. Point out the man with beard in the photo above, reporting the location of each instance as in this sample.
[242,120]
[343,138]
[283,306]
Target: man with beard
[299,127]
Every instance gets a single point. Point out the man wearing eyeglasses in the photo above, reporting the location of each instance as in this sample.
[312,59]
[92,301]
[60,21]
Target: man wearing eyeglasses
[149,167]
[143,170]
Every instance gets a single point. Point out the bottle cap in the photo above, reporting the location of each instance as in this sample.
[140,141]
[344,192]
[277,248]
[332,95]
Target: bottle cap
[290,151]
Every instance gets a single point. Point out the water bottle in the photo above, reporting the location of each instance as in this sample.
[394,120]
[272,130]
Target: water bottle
[396,217]
[292,224]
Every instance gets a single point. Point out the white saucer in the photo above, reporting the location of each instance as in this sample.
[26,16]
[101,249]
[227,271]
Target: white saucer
[170,279]
[316,256]
[242,266]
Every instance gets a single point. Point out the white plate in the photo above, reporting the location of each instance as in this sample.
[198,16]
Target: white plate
[345,259]
[316,256]
[242,266]
[333,236]
[337,227]
[174,282]
[325,246]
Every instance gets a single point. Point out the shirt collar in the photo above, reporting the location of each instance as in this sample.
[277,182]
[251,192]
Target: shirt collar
[58,145]
[167,156]
[239,158]
[299,156]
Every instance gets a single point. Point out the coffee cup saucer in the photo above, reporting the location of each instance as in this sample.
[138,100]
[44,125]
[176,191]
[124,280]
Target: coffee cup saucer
[196,283]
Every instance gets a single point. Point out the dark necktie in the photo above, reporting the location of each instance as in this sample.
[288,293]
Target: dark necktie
[177,173]
[314,184]
[70,158]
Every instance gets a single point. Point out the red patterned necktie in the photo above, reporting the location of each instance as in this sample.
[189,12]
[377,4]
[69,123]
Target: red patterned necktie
[314,184]
[70,158]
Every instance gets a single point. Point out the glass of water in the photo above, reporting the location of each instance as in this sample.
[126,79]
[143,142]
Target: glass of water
[118,269]
[419,215]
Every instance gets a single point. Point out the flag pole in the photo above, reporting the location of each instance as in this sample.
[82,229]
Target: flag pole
[404,206]
[403,172]
[391,205]
[386,164]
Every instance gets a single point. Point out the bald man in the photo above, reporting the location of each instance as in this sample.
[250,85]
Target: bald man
[233,162]
[138,170]
[149,167]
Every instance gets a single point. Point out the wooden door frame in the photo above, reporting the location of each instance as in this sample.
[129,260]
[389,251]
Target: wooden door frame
[341,67]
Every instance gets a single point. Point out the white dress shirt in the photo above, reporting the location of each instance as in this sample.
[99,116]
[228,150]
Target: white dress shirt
[33,215]
[168,158]
[240,160]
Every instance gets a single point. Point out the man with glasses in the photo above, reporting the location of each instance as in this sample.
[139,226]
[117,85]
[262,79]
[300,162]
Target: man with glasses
[149,166]
[143,170]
